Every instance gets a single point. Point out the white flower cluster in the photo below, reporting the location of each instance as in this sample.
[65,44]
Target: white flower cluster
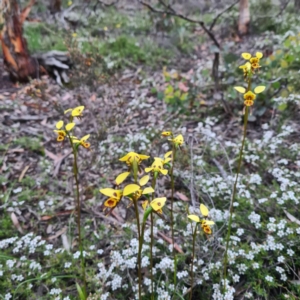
[255,219]
[217,294]
[165,264]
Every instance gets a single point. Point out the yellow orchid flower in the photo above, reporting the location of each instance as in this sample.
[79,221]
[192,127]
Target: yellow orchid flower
[173,74]
[246,68]
[82,141]
[130,157]
[114,197]
[157,166]
[254,60]
[205,224]
[75,112]
[62,132]
[166,133]
[178,140]
[157,204]
[135,191]
[249,96]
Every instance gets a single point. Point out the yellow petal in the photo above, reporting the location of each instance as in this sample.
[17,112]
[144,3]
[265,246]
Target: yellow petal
[127,156]
[59,124]
[204,210]
[166,133]
[148,190]
[70,126]
[109,192]
[144,180]
[240,89]
[208,222]
[169,153]
[259,89]
[206,229]
[164,171]
[246,55]
[179,139]
[130,189]
[167,160]
[158,203]
[142,157]
[69,109]
[259,55]
[121,177]
[77,111]
[85,137]
[111,202]
[194,218]
[145,204]
[147,170]
[248,65]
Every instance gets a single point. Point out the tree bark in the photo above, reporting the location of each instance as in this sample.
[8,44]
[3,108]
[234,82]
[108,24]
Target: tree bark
[17,60]
[297,5]
[55,6]
[244,17]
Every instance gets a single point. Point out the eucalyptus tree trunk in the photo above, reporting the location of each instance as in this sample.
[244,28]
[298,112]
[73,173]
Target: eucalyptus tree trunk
[55,6]
[17,60]
[297,5]
[244,17]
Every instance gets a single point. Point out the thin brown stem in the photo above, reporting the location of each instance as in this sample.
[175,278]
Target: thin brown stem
[140,237]
[151,240]
[172,213]
[78,208]
[234,191]
[192,264]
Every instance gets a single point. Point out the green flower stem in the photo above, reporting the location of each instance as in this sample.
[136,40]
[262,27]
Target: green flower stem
[151,257]
[225,261]
[75,172]
[140,236]
[151,241]
[192,264]
[172,215]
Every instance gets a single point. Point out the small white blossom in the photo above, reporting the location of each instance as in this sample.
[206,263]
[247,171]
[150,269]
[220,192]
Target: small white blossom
[255,265]
[7,296]
[269,278]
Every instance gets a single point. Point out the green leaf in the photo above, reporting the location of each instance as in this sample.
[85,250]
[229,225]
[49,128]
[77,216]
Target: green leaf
[276,85]
[80,292]
[160,95]
[169,90]
[177,94]
[184,96]
[282,106]
[284,64]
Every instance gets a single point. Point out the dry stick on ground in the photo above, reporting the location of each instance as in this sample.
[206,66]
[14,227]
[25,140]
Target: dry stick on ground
[169,10]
